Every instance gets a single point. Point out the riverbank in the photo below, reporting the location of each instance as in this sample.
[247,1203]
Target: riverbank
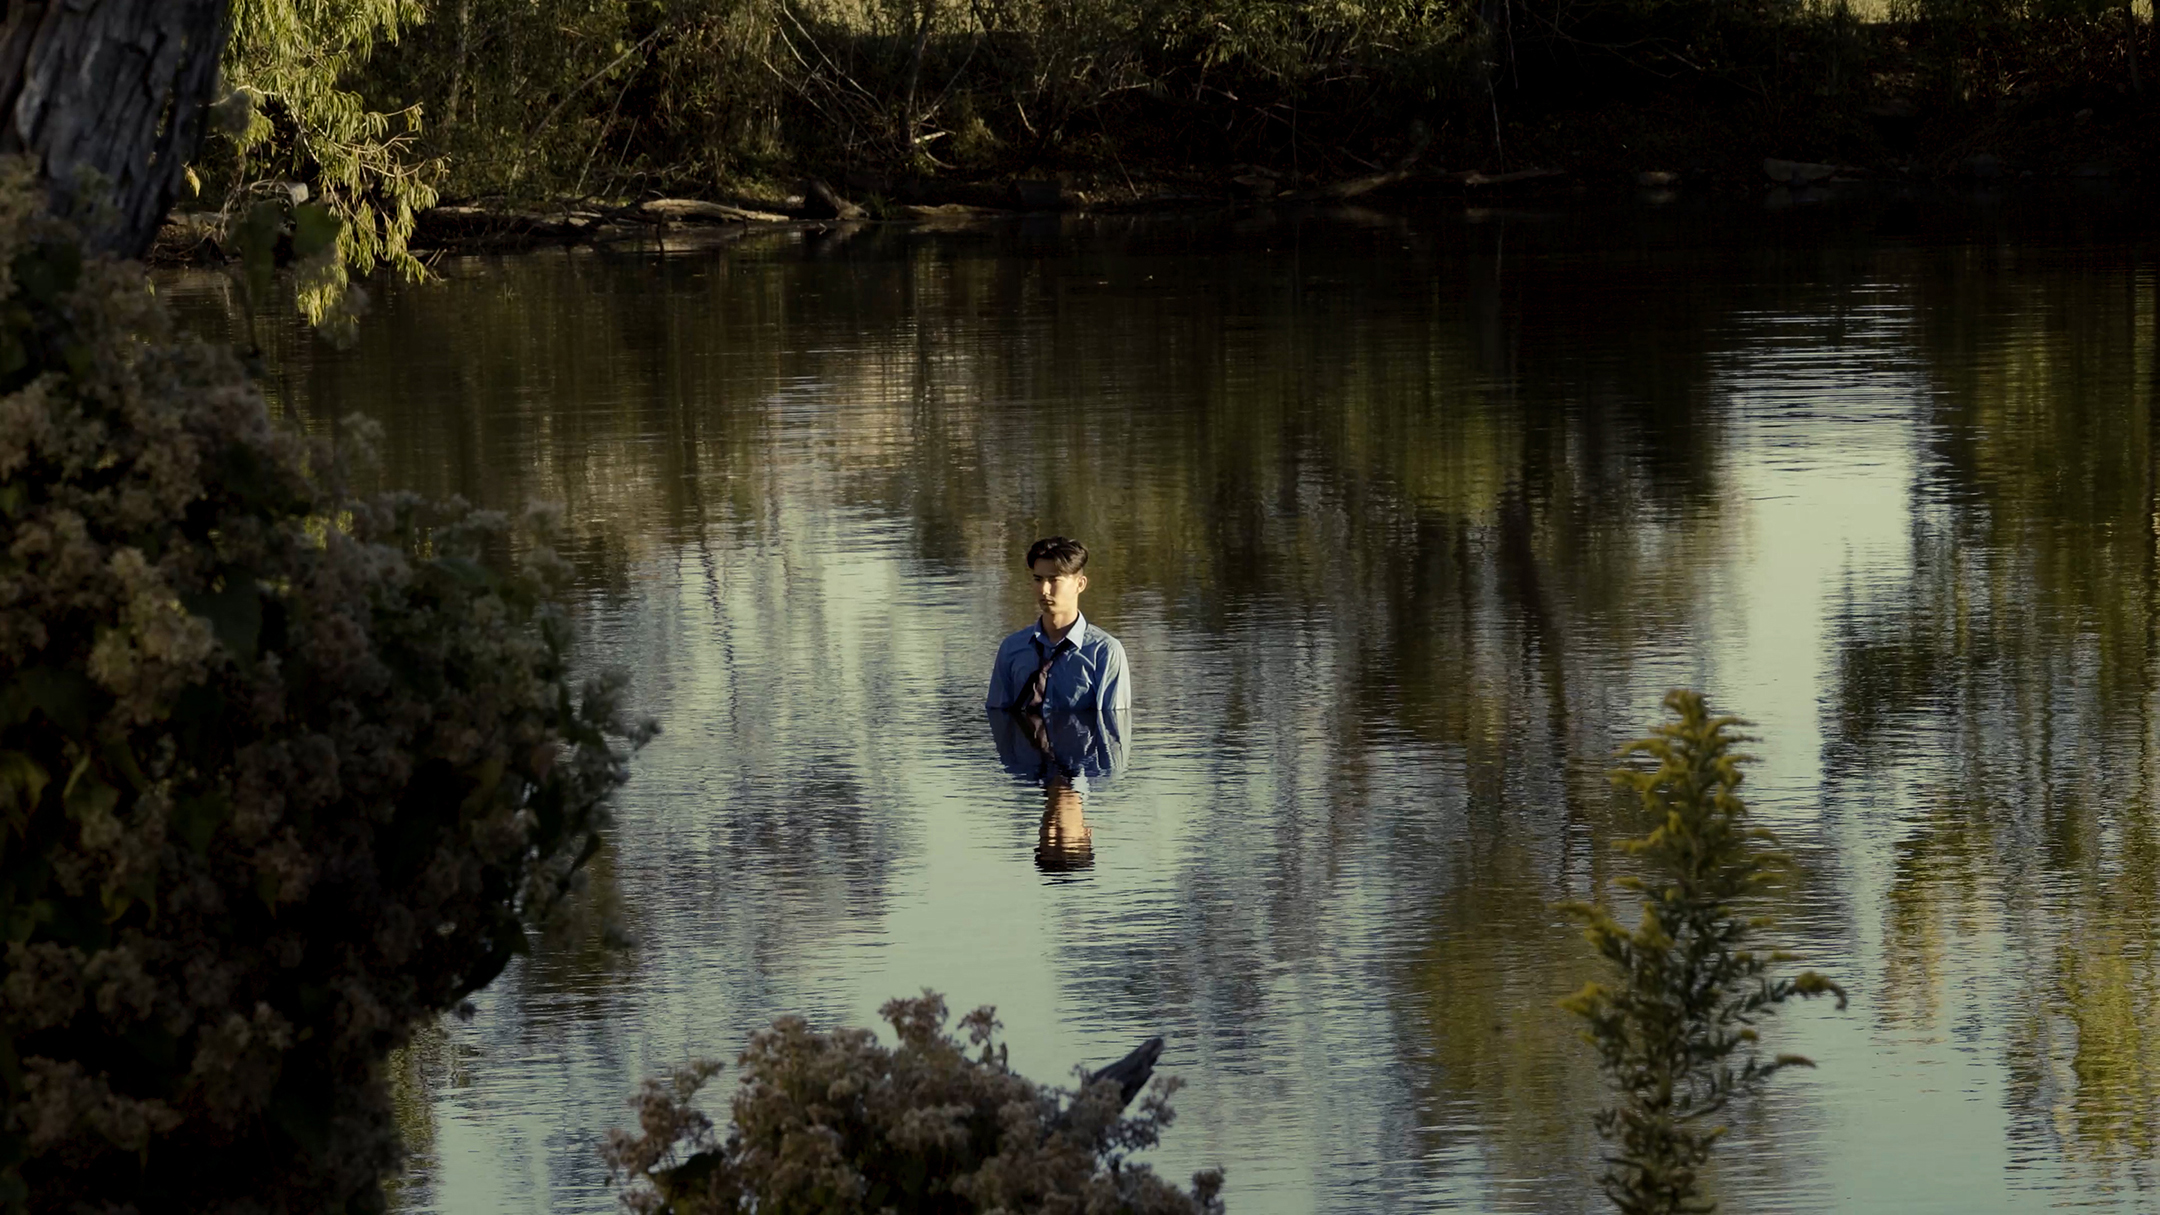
[573,127]
[1896,203]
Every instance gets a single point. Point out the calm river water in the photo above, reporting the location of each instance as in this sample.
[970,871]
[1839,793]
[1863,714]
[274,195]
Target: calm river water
[1404,525]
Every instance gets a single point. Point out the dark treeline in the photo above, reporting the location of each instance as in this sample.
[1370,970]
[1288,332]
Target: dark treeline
[399,100]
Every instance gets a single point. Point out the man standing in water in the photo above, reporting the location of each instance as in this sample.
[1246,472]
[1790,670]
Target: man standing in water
[1060,662]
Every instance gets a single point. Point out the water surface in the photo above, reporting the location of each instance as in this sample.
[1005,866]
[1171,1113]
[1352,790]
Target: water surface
[1405,524]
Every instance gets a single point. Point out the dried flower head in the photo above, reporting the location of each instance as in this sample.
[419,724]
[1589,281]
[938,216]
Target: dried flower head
[839,1122]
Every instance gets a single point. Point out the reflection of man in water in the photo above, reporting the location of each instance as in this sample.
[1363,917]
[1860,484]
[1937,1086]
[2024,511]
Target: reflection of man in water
[1064,844]
[1068,754]
[1060,661]
[1062,684]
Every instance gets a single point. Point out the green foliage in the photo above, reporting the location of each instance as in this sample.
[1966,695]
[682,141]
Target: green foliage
[293,118]
[837,1122]
[525,95]
[283,769]
[536,99]
[531,97]
[1675,1032]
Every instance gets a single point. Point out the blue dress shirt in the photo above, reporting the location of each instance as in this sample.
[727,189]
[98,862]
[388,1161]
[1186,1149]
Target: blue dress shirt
[1087,672]
[1085,748]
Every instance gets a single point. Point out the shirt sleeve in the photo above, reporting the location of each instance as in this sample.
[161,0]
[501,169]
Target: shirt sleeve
[1114,693]
[1001,693]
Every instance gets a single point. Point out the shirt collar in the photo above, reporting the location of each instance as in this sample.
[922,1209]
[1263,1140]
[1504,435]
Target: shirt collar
[1076,634]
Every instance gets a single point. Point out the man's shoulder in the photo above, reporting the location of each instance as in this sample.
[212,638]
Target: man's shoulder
[1097,638]
[1018,639]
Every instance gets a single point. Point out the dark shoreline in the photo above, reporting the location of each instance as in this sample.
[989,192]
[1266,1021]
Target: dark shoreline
[1893,206]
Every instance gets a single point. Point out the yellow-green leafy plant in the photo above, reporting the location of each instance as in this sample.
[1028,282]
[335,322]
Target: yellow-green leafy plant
[1675,1028]
[840,1122]
[297,126]
[284,769]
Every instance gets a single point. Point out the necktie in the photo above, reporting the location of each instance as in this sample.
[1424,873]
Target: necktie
[1039,687]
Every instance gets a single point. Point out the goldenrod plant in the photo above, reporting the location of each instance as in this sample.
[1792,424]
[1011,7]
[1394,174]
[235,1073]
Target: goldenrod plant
[1675,1028]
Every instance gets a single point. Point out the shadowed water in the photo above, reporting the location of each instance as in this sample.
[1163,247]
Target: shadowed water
[1404,525]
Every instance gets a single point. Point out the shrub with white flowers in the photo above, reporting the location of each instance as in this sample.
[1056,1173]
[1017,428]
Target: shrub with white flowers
[284,769]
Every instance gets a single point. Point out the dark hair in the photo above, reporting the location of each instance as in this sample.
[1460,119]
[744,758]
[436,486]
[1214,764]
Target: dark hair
[1070,556]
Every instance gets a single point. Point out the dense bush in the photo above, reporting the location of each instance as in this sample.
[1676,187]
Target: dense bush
[830,1122]
[283,769]
[1675,1031]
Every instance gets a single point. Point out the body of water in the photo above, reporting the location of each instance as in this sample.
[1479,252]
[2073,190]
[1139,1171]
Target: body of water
[1404,524]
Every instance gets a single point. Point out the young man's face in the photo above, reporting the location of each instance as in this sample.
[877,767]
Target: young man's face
[1057,594]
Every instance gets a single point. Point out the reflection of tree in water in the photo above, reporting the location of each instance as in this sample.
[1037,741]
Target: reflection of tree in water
[584,948]
[1469,545]
[1483,995]
[1431,496]
[2007,689]
[818,831]
[415,1073]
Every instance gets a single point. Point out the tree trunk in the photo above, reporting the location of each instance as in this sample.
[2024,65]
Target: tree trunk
[2130,44]
[908,116]
[457,68]
[108,96]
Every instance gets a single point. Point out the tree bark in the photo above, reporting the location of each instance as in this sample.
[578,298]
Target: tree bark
[908,117]
[108,98]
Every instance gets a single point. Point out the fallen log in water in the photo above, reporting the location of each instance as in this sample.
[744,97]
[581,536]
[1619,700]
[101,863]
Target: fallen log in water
[695,211]
[475,229]
[1475,177]
[1372,183]
[1132,1071]
[1355,186]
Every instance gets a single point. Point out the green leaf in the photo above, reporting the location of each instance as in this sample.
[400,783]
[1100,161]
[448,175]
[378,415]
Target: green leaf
[235,614]
[255,239]
[486,778]
[302,1111]
[120,759]
[88,792]
[22,786]
[466,571]
[197,820]
[64,697]
[315,228]
[45,272]
[79,922]
[23,919]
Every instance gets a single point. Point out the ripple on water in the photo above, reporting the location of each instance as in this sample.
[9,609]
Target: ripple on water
[1404,529]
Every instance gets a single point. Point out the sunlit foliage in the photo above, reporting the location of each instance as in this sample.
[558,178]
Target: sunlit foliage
[283,769]
[527,97]
[839,1122]
[293,117]
[1675,1031]
[532,96]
